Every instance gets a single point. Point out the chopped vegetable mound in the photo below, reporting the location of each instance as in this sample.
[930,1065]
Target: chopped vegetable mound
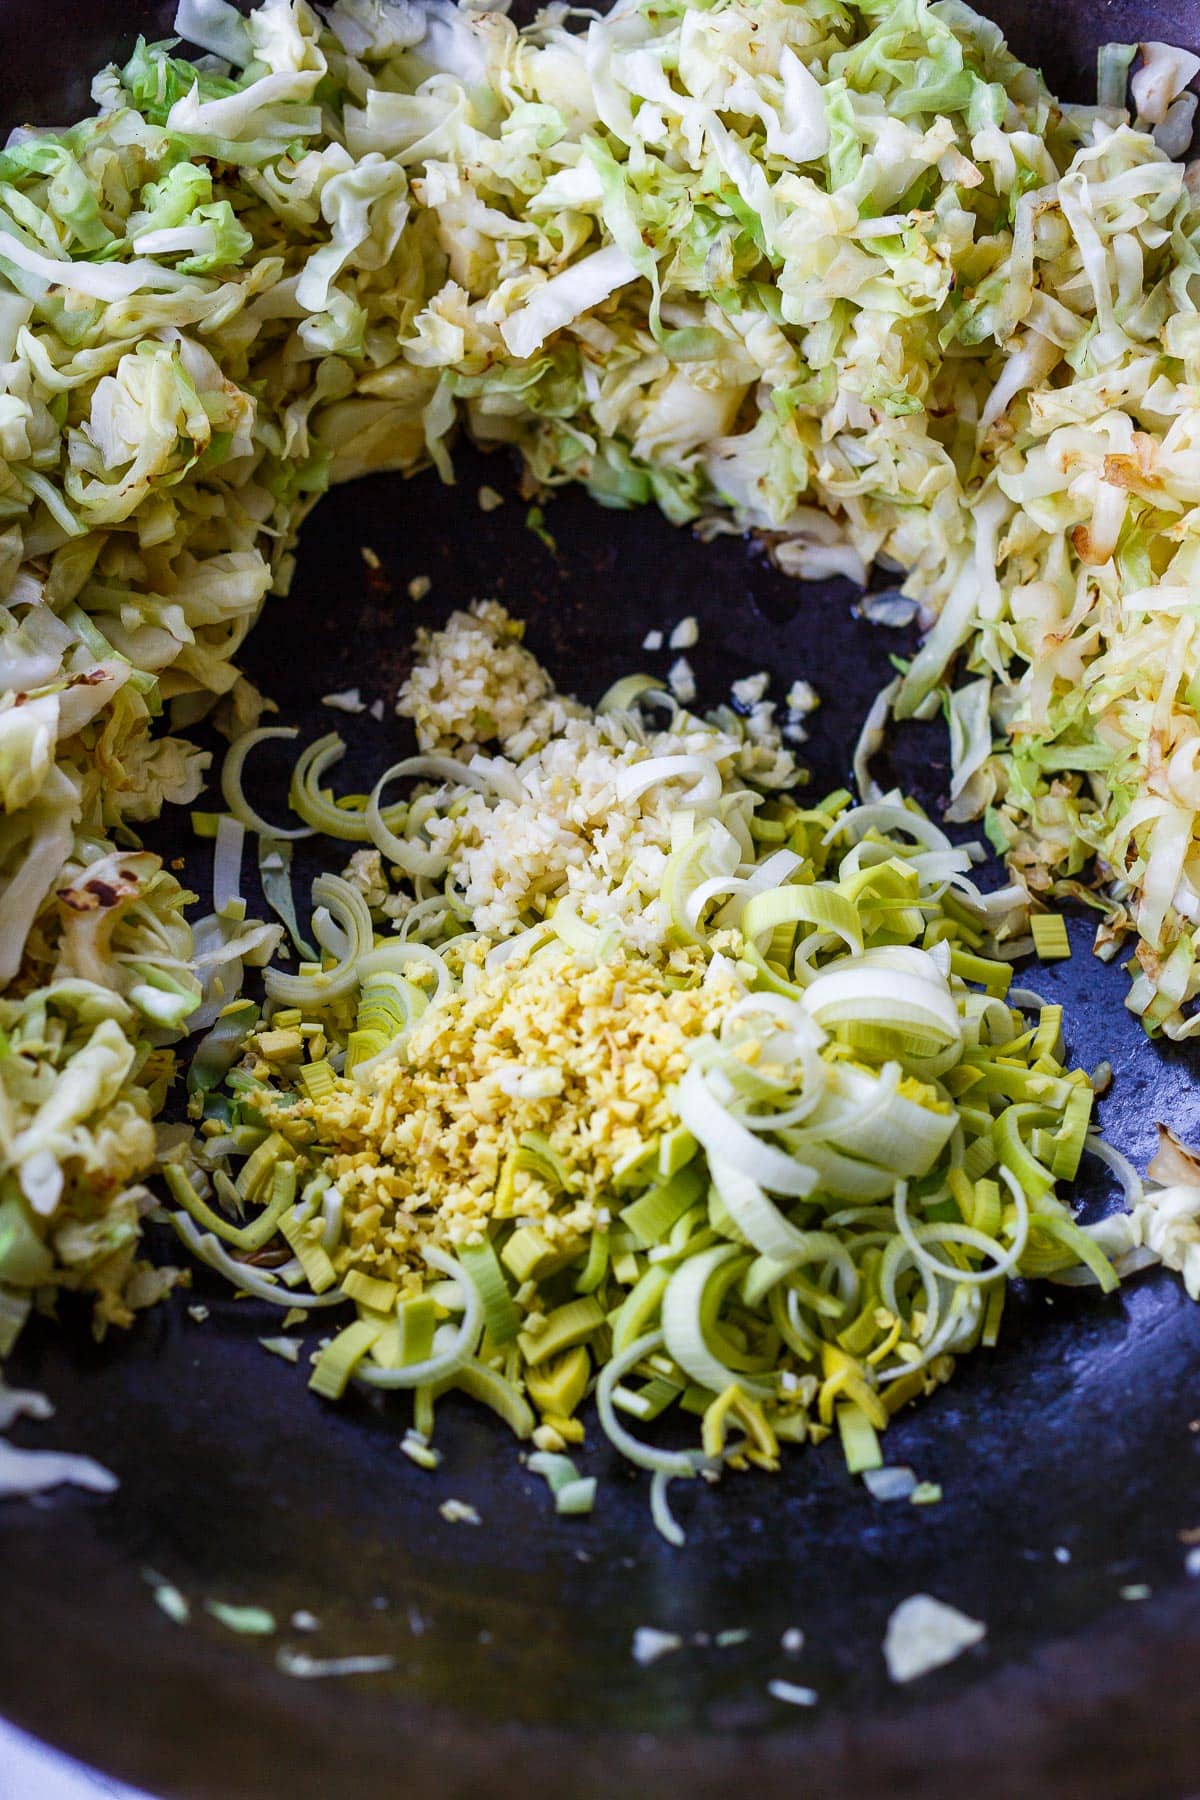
[769,1164]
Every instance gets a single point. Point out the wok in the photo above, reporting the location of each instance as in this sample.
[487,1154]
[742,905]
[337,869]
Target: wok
[1068,1458]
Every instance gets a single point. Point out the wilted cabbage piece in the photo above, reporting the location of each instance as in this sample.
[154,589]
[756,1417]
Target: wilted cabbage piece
[925,1634]
[24,1472]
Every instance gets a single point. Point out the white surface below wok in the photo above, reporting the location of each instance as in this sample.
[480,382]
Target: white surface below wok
[30,1771]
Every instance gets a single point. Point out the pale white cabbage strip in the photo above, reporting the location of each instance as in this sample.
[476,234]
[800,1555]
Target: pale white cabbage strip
[1164,74]
[1160,1222]
[24,1472]
[565,297]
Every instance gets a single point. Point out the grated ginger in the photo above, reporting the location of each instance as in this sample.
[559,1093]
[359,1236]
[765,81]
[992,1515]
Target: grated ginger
[418,1158]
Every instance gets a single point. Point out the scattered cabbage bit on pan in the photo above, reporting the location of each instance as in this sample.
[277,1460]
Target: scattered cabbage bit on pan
[753,1134]
[842,275]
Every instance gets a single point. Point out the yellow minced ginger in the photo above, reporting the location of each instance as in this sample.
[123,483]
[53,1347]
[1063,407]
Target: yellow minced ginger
[581,1054]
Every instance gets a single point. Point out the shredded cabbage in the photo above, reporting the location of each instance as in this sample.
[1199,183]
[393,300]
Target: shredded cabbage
[847,278]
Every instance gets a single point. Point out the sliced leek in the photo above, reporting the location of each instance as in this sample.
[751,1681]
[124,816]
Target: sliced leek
[859,1154]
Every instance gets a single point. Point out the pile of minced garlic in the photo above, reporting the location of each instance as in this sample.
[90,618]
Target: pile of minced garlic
[583,1055]
[554,827]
